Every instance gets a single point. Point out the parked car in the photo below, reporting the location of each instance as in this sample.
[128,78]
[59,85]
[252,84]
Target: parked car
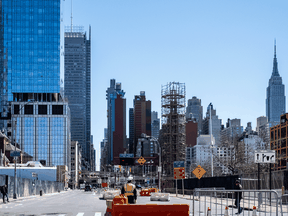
[87,188]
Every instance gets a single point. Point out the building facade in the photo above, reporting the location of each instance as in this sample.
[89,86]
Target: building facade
[194,110]
[43,131]
[232,131]
[77,81]
[30,83]
[275,100]
[260,121]
[278,142]
[214,127]
[131,130]
[116,132]
[191,133]
[142,118]
[155,124]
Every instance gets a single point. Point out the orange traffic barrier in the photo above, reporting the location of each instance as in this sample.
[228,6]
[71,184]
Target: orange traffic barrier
[151,209]
[104,185]
[145,192]
[120,200]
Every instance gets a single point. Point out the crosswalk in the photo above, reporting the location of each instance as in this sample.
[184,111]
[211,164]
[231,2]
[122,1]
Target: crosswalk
[82,214]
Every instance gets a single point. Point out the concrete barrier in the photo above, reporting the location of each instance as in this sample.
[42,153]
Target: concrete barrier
[151,209]
[111,194]
[160,197]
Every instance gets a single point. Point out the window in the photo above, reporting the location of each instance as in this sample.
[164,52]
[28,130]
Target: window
[57,109]
[42,110]
[28,109]
[16,109]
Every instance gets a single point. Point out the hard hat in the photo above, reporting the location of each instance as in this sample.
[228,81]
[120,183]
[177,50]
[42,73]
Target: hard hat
[130,178]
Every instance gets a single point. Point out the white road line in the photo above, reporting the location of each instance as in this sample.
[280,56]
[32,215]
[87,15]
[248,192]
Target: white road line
[80,214]
[97,213]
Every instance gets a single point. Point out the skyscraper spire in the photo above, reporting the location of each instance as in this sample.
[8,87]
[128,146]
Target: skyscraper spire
[275,48]
[275,64]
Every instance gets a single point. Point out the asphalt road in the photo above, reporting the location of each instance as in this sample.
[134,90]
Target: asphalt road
[67,203]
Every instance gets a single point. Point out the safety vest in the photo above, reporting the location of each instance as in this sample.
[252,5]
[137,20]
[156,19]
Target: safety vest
[129,188]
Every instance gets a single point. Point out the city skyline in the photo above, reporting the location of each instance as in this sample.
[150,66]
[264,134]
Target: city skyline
[223,51]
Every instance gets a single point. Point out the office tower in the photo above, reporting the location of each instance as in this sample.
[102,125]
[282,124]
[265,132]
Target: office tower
[77,81]
[155,126]
[30,80]
[216,124]
[276,100]
[116,108]
[173,134]
[260,121]
[194,110]
[142,118]
[131,130]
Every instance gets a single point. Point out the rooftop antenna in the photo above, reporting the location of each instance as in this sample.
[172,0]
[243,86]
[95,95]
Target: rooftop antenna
[71,17]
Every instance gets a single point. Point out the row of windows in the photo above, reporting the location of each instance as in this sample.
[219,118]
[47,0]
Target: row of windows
[42,109]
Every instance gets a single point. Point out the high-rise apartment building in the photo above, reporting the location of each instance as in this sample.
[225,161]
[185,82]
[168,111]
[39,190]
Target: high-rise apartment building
[276,100]
[142,118]
[116,133]
[77,82]
[194,111]
[232,132]
[30,80]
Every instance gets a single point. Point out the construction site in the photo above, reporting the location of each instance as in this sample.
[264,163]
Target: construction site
[173,125]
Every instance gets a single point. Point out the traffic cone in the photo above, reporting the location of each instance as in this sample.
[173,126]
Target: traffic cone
[209,212]
[226,211]
[254,211]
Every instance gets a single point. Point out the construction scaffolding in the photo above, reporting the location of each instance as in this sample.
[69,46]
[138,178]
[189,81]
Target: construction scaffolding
[173,125]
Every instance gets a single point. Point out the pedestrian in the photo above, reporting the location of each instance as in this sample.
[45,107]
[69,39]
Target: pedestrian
[4,191]
[238,196]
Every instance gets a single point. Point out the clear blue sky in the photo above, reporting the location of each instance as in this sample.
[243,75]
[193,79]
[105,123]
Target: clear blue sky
[222,51]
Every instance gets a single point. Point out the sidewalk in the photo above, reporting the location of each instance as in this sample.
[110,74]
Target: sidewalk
[11,200]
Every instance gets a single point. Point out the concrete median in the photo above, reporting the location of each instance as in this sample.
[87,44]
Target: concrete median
[160,197]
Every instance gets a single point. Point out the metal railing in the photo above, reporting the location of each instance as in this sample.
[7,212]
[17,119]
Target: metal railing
[267,202]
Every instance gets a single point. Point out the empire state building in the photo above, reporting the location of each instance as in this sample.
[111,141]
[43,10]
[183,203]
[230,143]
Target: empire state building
[275,101]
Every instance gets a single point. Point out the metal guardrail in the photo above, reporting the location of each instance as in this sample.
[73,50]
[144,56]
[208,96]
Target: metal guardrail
[266,201]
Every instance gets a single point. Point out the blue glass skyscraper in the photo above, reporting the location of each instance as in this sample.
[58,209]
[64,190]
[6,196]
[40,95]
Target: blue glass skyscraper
[30,48]
[276,100]
[30,79]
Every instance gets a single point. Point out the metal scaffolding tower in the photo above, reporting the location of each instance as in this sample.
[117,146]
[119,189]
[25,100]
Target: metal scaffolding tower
[173,124]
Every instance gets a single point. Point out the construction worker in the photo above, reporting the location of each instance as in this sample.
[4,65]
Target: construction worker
[129,190]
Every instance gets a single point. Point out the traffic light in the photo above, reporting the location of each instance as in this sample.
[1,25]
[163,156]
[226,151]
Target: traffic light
[127,161]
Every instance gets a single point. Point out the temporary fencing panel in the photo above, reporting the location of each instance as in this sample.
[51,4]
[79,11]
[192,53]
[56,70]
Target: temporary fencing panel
[266,201]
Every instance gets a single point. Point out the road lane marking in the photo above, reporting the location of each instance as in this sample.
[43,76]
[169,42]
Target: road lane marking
[80,214]
[97,213]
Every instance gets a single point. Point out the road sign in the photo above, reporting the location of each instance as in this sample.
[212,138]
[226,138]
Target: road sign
[265,156]
[179,164]
[34,175]
[126,155]
[199,172]
[179,173]
[15,153]
[141,160]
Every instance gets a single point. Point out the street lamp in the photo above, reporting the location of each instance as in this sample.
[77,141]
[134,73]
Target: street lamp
[15,158]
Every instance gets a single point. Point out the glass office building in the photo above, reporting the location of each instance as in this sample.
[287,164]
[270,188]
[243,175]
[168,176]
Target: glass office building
[30,47]
[30,71]
[77,82]
[43,131]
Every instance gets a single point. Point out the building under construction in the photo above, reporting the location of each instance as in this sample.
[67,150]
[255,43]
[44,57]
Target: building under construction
[173,125]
